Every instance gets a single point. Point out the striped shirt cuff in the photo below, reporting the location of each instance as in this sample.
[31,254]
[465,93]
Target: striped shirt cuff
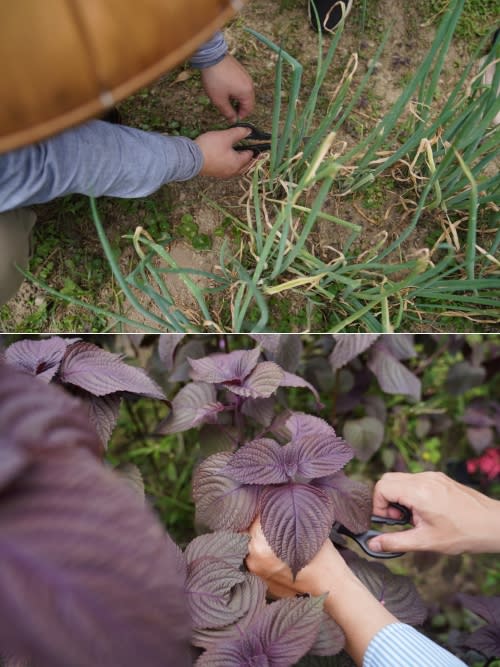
[400,645]
[211,53]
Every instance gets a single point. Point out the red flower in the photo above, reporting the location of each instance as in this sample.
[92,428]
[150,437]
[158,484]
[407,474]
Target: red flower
[488,463]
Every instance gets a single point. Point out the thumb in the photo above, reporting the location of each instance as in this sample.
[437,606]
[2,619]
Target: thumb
[235,134]
[404,540]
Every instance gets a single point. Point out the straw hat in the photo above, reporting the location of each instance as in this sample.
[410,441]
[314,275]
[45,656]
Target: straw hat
[64,61]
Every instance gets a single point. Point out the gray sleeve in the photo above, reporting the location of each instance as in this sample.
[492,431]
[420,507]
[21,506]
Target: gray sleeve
[96,159]
[210,53]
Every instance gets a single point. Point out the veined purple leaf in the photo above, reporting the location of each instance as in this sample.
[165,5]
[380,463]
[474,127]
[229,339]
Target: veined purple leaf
[262,382]
[292,380]
[193,405]
[82,552]
[287,628]
[224,545]
[320,455]
[301,426]
[401,345]
[35,420]
[348,347]
[99,372]
[486,640]
[487,607]
[365,435]
[250,598]
[261,462]
[103,413]
[392,376]
[167,344]
[464,376]
[260,409]
[296,520]
[397,593]
[193,349]
[132,476]
[284,349]
[219,367]
[330,639]
[222,503]
[208,587]
[40,357]
[281,635]
[352,500]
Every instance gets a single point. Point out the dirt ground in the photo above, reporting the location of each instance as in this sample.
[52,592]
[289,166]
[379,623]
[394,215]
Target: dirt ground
[177,103]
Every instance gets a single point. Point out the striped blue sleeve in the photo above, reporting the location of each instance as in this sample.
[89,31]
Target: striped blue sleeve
[210,53]
[400,645]
[96,159]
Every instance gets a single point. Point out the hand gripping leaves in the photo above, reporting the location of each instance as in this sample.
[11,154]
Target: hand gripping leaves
[297,488]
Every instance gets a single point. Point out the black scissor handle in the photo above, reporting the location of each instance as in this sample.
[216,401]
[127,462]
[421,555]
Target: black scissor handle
[256,134]
[406,516]
[362,539]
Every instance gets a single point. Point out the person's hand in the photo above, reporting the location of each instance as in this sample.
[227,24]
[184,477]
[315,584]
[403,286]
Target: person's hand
[226,82]
[448,517]
[219,157]
[314,578]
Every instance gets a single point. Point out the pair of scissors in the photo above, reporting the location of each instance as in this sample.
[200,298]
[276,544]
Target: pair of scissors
[362,538]
[260,140]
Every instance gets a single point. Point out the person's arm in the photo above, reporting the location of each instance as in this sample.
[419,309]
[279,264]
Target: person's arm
[448,517]
[374,637]
[99,158]
[224,79]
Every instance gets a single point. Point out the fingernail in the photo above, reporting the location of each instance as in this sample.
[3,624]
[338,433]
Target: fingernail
[375,545]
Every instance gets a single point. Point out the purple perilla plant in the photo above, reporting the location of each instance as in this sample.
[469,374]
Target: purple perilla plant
[297,488]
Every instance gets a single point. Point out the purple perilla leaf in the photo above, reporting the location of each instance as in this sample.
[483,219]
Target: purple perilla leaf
[320,455]
[280,636]
[487,607]
[219,367]
[296,519]
[464,376]
[167,345]
[250,597]
[348,347]
[330,639]
[40,357]
[487,638]
[227,546]
[396,592]
[292,380]
[262,461]
[366,435]
[262,382]
[103,413]
[193,405]
[100,373]
[393,377]
[352,500]
[401,345]
[284,349]
[83,552]
[37,420]
[208,587]
[222,503]
[300,425]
